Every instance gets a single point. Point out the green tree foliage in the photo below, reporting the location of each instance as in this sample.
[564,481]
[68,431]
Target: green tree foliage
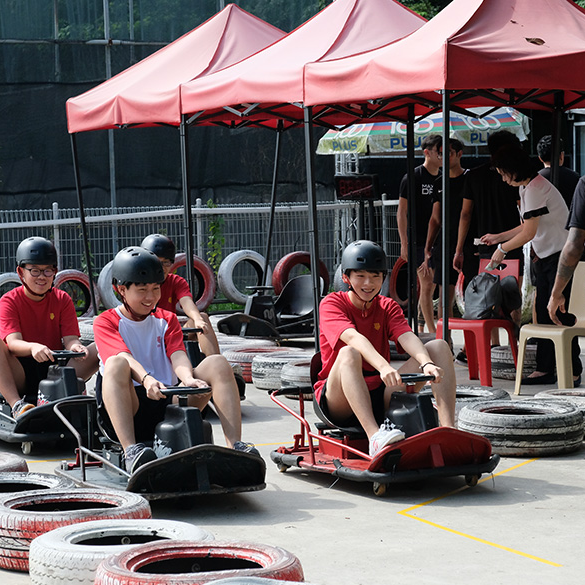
[426,8]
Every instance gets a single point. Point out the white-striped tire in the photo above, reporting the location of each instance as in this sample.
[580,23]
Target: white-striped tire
[71,554]
[76,284]
[26,515]
[193,563]
[525,428]
[107,295]
[225,274]
[20,481]
[266,368]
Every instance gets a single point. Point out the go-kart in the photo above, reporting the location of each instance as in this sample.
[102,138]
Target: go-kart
[188,463]
[288,315]
[428,451]
[40,424]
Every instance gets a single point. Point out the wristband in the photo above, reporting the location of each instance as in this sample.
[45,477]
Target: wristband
[426,364]
[144,378]
[502,249]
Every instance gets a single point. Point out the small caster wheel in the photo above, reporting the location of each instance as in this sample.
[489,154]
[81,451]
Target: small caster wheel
[282,467]
[379,489]
[26,447]
[471,480]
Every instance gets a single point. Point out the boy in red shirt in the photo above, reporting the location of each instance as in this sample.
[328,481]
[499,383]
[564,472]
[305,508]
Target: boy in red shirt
[36,319]
[357,380]
[141,350]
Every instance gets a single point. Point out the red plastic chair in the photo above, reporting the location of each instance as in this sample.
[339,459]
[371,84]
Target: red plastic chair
[477,333]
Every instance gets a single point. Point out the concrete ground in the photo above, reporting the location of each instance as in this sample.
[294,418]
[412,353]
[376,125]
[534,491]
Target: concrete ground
[521,525]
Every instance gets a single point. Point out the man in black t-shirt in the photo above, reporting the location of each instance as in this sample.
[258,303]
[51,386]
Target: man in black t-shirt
[425,176]
[568,179]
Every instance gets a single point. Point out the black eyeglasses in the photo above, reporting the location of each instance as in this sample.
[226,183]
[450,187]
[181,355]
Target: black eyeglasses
[37,271]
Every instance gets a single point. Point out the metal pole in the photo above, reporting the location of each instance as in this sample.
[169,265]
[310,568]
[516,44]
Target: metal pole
[556,138]
[412,313]
[187,219]
[313,234]
[272,202]
[445,208]
[83,224]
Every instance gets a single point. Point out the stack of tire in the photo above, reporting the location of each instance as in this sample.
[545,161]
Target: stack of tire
[244,355]
[503,366]
[297,374]
[266,368]
[526,428]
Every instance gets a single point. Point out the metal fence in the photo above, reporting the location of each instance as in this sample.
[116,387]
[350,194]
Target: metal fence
[235,228]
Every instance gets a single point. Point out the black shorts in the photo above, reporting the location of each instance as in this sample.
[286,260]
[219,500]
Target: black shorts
[376,397]
[34,372]
[149,413]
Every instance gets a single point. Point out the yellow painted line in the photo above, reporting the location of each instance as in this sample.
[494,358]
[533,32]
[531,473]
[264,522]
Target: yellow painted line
[407,514]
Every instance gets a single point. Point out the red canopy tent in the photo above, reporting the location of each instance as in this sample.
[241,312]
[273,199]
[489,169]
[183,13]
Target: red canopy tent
[148,93]
[520,53]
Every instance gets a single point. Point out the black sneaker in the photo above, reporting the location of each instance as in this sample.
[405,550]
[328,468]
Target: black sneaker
[461,358]
[246,448]
[137,455]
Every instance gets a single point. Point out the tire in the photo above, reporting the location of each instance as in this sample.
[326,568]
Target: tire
[284,266]
[10,462]
[525,428]
[228,342]
[192,563]
[8,281]
[460,293]
[244,356]
[503,367]
[466,394]
[575,396]
[26,515]
[71,554]
[108,297]
[398,283]
[86,331]
[205,279]
[225,274]
[76,284]
[17,481]
[266,368]
[297,374]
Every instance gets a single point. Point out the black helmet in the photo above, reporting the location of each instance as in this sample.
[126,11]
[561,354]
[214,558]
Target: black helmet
[136,265]
[363,255]
[36,250]
[160,245]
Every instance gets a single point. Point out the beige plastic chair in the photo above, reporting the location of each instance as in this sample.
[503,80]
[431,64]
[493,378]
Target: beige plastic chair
[561,336]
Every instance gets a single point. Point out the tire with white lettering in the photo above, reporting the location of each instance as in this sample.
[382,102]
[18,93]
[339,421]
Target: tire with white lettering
[108,297]
[20,481]
[11,462]
[204,276]
[76,284]
[8,281]
[71,554]
[466,394]
[266,368]
[284,266]
[189,563]
[226,275]
[26,515]
[525,428]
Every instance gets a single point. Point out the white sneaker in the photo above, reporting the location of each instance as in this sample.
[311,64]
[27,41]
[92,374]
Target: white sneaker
[387,434]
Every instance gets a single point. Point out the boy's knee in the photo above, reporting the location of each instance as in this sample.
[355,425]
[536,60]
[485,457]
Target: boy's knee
[116,365]
[349,356]
[439,349]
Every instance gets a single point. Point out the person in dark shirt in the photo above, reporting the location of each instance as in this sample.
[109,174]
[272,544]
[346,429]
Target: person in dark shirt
[425,176]
[567,178]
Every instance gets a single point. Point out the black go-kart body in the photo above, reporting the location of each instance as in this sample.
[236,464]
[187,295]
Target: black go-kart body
[40,424]
[427,452]
[188,462]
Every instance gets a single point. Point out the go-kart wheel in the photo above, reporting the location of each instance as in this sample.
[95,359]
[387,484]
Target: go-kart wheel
[26,447]
[380,489]
[471,480]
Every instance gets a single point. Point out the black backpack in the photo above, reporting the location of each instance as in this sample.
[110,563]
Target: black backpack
[483,297]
